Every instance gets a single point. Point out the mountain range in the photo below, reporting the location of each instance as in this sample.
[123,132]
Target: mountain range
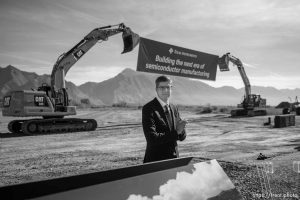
[137,88]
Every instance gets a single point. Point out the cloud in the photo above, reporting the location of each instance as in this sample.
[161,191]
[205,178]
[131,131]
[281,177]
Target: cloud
[27,59]
[138,197]
[79,74]
[271,80]
[207,180]
[249,65]
[258,31]
[76,12]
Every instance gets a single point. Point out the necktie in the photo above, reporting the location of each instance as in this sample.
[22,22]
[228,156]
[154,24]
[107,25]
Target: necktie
[169,117]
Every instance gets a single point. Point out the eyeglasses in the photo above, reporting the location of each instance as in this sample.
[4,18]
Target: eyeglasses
[165,87]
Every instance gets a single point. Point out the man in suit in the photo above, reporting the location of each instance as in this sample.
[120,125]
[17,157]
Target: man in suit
[162,124]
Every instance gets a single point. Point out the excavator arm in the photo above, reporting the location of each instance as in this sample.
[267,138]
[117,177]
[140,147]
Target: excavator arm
[224,60]
[68,59]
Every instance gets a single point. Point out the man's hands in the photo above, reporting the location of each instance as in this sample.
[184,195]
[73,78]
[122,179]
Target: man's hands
[181,125]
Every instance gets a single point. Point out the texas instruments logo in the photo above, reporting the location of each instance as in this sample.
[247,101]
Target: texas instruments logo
[171,50]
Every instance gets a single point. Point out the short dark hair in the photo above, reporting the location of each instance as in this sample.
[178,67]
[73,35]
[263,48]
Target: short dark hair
[162,79]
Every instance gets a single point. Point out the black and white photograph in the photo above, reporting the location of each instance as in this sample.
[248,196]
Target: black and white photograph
[150,100]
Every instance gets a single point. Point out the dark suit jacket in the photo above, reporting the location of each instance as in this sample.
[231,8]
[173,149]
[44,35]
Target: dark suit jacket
[161,140]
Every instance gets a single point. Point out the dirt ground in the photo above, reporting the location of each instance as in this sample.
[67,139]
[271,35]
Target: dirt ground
[119,141]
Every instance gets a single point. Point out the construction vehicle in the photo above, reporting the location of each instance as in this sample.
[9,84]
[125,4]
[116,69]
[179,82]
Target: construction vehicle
[51,102]
[295,106]
[252,104]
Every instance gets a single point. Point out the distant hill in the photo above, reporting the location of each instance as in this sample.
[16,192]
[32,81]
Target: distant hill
[128,86]
[138,87]
[12,78]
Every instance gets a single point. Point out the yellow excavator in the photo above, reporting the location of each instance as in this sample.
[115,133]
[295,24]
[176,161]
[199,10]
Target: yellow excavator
[252,104]
[294,107]
[51,102]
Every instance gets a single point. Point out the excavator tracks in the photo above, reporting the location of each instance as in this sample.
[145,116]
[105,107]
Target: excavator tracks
[15,126]
[54,125]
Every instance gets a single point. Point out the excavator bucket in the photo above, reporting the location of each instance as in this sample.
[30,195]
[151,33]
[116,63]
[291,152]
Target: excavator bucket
[224,63]
[130,40]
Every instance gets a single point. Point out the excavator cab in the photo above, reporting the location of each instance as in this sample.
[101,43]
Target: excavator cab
[253,101]
[46,88]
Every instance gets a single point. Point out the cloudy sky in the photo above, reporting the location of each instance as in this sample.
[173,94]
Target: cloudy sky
[264,34]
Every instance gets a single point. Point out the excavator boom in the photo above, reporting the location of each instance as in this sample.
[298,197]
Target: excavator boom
[225,61]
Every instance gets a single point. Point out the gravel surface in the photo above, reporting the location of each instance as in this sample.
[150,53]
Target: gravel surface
[235,143]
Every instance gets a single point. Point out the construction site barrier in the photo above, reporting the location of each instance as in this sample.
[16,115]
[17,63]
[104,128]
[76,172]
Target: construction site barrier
[281,121]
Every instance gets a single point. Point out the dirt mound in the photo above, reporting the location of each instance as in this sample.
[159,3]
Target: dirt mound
[283,104]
